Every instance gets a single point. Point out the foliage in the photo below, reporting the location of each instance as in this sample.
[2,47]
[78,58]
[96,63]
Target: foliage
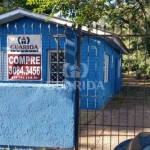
[128,16]
[83,12]
[137,62]
[6,5]
[86,12]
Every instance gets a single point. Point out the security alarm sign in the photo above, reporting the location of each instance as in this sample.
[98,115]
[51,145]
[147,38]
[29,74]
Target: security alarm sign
[24,66]
[24,57]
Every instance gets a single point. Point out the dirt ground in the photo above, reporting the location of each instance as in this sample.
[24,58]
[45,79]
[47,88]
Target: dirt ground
[127,114]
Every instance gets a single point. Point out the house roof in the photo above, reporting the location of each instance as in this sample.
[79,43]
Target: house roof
[17,13]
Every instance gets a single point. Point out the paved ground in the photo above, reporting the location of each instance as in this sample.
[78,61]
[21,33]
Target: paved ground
[123,118]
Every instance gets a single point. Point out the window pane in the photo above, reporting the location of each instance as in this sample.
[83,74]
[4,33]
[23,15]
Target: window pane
[57,61]
[61,77]
[106,67]
[53,77]
[53,67]
[61,67]
[61,57]
[53,57]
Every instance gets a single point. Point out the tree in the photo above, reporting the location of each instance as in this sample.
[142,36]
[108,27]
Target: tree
[128,16]
[83,12]
[86,12]
[6,5]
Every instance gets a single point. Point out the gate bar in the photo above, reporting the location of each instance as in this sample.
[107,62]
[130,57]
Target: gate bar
[113,35]
[77,102]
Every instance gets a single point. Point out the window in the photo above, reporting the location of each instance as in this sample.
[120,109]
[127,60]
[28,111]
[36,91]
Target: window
[3,66]
[106,67]
[56,67]
[119,67]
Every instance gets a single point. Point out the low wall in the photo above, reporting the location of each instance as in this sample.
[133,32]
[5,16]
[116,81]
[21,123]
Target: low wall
[36,115]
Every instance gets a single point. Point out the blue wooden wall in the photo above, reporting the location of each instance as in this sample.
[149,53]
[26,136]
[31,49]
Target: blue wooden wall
[97,98]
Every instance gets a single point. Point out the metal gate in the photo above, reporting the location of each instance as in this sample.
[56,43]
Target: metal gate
[121,114]
[127,111]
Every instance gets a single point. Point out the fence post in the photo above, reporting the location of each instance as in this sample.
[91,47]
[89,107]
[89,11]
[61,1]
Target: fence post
[77,99]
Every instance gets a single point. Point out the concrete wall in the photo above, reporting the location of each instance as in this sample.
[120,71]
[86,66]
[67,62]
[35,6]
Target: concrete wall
[36,115]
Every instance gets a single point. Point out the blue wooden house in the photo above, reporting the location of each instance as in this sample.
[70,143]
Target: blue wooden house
[38,75]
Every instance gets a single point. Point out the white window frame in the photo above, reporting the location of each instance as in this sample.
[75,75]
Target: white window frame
[49,67]
[2,75]
[106,68]
[119,67]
